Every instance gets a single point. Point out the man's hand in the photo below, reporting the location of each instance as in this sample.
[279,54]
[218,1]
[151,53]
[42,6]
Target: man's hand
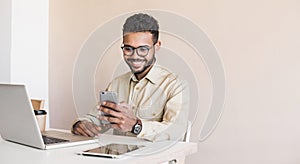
[86,128]
[121,116]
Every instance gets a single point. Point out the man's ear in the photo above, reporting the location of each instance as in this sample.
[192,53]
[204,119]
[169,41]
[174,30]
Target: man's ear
[157,45]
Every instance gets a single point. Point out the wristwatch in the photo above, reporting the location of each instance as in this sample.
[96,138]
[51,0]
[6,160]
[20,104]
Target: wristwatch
[137,128]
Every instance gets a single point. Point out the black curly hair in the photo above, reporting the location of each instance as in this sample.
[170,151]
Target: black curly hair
[142,23]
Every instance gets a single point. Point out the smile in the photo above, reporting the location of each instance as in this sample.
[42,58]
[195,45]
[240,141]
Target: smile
[136,62]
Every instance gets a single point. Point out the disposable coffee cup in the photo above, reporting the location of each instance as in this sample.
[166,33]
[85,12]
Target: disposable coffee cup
[41,118]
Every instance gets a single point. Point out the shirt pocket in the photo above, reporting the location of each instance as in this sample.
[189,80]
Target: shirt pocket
[151,111]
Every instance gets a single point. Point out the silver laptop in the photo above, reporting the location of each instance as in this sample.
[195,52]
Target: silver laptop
[18,123]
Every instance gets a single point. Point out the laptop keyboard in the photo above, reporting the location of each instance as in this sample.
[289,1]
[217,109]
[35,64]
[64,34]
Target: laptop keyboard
[51,140]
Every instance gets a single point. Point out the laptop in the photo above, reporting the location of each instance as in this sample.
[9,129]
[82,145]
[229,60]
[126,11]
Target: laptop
[18,122]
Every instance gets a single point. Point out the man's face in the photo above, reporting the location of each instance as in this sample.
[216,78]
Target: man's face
[140,64]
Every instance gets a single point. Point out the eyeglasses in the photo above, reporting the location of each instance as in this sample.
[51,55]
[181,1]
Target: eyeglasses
[141,50]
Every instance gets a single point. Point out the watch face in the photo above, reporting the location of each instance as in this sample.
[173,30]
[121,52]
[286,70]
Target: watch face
[137,129]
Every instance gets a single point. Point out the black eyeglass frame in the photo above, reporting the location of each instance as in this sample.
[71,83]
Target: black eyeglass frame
[136,49]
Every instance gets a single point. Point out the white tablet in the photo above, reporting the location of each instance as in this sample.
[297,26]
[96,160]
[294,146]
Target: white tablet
[111,150]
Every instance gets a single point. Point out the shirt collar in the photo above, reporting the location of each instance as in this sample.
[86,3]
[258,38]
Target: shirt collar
[152,75]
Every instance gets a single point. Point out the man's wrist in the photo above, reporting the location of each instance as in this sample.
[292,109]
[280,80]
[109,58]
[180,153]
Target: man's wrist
[137,127]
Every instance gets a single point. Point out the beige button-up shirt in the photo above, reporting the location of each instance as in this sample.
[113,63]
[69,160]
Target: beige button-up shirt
[160,100]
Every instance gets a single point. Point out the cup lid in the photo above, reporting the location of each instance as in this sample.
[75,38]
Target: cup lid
[40,112]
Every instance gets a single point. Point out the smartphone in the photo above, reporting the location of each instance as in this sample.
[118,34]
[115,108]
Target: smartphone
[109,96]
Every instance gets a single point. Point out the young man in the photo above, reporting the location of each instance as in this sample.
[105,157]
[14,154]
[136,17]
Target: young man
[154,102]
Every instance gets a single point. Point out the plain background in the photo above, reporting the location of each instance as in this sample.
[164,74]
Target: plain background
[257,40]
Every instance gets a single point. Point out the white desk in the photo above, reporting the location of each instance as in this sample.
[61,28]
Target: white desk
[14,153]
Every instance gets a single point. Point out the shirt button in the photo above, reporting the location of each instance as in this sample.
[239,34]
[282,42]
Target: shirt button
[137,88]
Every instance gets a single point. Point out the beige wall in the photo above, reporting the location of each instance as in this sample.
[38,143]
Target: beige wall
[258,42]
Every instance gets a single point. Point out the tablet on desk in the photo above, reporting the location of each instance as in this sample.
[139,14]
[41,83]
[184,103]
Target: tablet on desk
[111,150]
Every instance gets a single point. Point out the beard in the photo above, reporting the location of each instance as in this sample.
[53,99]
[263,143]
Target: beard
[147,65]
